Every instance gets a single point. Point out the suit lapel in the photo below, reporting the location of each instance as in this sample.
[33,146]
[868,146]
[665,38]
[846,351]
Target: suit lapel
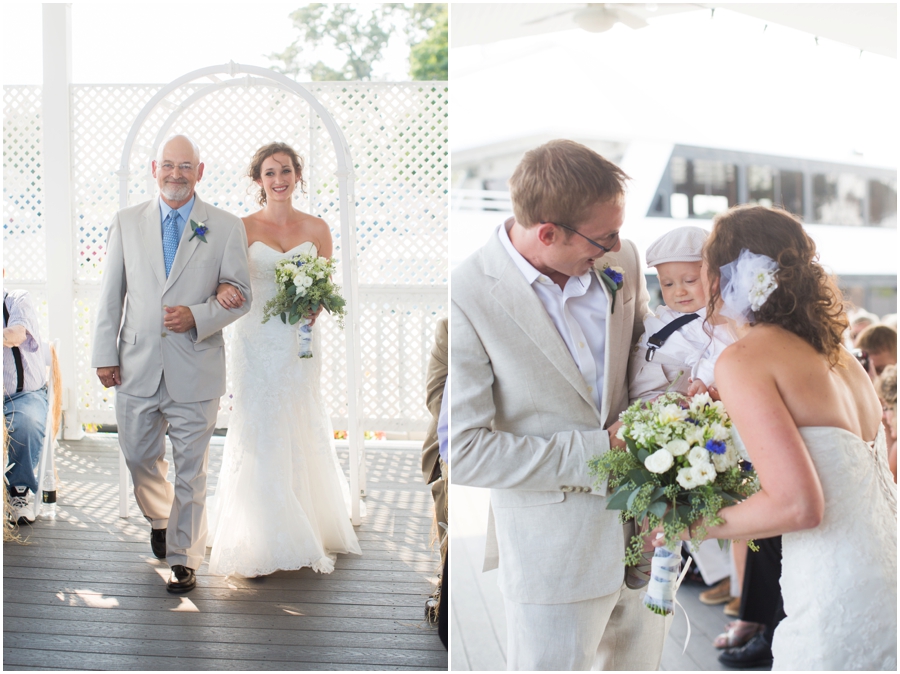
[524,307]
[186,246]
[151,232]
[613,328]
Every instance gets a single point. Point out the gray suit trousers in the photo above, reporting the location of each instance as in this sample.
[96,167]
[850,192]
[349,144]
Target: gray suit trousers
[142,436]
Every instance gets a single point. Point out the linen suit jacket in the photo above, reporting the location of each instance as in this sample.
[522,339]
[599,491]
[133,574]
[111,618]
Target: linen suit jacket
[525,425]
[129,326]
[435,376]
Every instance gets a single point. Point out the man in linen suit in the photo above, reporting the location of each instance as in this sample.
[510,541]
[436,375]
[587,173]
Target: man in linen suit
[166,358]
[540,348]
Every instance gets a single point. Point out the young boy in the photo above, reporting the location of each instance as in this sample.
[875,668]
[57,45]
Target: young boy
[677,354]
[676,349]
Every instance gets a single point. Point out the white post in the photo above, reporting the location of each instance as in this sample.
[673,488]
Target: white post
[57,164]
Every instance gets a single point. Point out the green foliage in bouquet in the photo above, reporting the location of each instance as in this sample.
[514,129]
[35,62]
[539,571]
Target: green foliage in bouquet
[304,284]
[681,465]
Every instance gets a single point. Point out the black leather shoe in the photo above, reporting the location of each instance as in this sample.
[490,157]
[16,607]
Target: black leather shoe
[755,653]
[181,580]
[158,543]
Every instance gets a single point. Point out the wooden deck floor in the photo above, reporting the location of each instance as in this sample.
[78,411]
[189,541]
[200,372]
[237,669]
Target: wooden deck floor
[478,622]
[86,593]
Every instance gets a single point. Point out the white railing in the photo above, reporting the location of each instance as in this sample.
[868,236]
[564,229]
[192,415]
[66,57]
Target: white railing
[397,133]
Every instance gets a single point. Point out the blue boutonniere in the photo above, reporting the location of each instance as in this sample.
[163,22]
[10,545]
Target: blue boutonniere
[200,231]
[614,278]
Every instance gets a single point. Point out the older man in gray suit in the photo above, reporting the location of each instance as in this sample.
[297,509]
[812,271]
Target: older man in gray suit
[543,318]
[158,340]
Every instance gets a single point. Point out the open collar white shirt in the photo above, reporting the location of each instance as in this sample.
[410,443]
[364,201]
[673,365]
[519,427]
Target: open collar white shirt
[578,311]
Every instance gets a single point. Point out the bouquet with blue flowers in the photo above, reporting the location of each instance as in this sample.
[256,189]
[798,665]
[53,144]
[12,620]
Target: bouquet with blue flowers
[304,284]
[682,465]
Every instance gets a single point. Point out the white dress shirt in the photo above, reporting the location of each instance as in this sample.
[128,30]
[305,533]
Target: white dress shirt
[690,343]
[578,311]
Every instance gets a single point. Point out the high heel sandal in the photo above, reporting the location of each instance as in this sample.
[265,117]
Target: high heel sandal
[737,633]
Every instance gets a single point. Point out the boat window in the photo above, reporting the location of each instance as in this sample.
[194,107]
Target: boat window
[883,203]
[838,199]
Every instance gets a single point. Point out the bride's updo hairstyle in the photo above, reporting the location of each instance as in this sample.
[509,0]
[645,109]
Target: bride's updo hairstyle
[806,302]
[266,151]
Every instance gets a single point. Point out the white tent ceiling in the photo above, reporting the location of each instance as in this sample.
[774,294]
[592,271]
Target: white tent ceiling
[871,27]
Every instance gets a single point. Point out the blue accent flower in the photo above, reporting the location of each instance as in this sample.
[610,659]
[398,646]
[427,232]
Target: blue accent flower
[746,466]
[616,277]
[200,231]
[692,421]
[716,446]
[613,278]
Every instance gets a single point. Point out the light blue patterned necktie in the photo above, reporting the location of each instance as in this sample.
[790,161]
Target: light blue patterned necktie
[170,240]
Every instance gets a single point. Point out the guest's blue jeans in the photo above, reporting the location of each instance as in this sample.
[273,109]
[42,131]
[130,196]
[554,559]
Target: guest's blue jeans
[26,421]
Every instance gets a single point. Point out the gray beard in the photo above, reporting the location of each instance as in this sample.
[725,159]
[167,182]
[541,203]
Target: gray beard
[174,192]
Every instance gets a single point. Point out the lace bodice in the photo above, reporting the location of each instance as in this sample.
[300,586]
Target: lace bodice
[839,580]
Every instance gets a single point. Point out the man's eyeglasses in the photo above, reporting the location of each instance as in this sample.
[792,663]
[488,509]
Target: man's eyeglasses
[605,249]
[169,166]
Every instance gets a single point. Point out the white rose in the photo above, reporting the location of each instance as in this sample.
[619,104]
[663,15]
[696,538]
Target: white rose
[686,478]
[694,436]
[671,413]
[699,401]
[659,462]
[703,473]
[720,432]
[677,447]
[298,280]
[721,462]
[697,456]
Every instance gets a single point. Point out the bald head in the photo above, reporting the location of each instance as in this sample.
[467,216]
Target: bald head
[181,144]
[177,169]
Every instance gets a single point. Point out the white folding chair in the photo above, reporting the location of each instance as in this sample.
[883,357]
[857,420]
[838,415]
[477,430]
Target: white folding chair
[47,462]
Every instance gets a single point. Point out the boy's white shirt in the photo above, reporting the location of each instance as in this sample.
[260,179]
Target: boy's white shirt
[690,343]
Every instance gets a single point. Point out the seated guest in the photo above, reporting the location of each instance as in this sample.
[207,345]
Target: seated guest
[24,399]
[886,386]
[879,343]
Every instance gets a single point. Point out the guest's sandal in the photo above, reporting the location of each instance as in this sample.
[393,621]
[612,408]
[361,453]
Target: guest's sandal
[737,633]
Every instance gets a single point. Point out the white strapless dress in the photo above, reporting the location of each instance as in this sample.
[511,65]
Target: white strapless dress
[839,580]
[282,500]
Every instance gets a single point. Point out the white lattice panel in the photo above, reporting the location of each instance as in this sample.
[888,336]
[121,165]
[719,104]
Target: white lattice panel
[24,234]
[397,135]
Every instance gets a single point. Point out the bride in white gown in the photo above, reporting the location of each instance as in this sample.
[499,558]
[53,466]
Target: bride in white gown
[281,501]
[810,421]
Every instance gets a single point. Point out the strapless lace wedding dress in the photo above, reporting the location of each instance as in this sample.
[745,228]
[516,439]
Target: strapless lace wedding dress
[839,580]
[282,500]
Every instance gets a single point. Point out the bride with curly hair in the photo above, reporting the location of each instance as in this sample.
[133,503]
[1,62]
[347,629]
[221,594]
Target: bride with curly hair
[810,420]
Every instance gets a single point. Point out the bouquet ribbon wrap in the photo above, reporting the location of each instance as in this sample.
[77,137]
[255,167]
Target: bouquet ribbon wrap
[664,583]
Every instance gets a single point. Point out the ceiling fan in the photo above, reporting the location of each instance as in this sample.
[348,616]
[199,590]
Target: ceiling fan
[597,17]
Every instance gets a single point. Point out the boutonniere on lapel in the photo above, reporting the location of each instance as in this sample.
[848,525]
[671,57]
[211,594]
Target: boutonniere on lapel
[200,231]
[613,278]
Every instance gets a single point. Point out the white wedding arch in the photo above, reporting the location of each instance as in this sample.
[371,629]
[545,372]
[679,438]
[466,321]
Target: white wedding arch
[377,171]
[173,97]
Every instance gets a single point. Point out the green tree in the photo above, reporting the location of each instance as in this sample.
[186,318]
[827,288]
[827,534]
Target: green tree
[428,56]
[361,33]
[360,36]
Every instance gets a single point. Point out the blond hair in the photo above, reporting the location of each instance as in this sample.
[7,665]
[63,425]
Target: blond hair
[560,182]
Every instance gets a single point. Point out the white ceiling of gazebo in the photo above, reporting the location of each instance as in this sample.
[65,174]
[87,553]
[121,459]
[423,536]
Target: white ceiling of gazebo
[871,27]
[729,81]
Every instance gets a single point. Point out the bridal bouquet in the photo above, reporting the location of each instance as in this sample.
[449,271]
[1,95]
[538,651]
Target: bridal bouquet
[681,465]
[304,284]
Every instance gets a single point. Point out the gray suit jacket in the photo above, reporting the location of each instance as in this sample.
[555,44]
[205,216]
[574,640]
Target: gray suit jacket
[524,424]
[129,328]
